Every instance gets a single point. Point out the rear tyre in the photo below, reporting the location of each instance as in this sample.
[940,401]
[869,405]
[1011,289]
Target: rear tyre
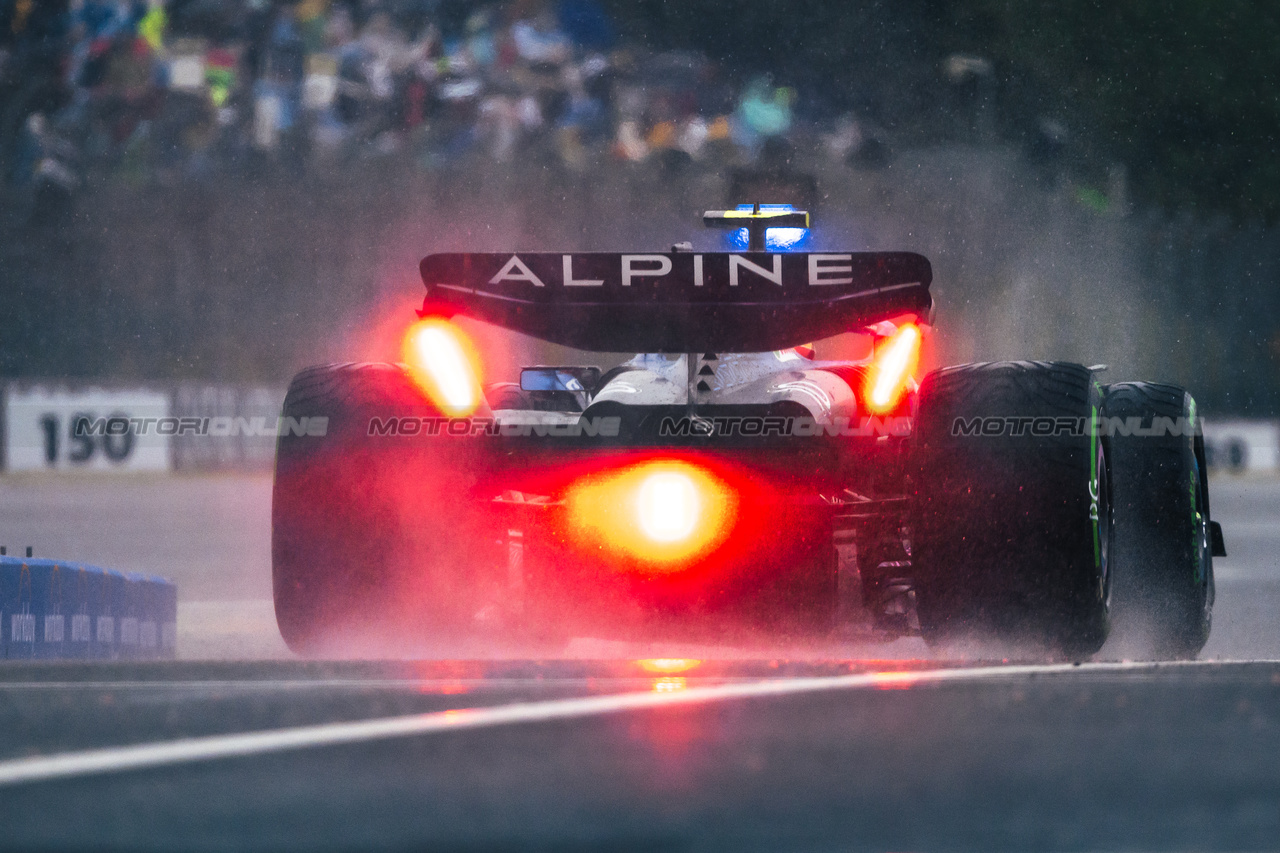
[374,549]
[1011,516]
[1163,559]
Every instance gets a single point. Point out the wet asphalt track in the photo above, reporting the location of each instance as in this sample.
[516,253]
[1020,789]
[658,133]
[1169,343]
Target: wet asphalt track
[1174,757]
[861,754]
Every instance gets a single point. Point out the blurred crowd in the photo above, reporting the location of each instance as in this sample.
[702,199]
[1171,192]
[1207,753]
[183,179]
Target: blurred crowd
[175,90]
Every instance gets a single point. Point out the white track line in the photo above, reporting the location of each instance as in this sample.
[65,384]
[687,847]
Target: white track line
[163,753]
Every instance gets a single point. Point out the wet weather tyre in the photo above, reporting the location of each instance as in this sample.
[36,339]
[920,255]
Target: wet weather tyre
[1011,524]
[365,527]
[1163,560]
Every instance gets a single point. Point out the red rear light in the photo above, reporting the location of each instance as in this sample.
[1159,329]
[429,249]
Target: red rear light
[662,514]
[443,363]
[892,369]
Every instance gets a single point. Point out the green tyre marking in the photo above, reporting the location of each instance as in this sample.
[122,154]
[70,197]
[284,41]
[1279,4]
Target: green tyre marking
[1095,485]
[1197,539]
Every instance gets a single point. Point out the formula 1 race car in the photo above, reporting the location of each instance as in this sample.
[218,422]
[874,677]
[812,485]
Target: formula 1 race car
[725,483]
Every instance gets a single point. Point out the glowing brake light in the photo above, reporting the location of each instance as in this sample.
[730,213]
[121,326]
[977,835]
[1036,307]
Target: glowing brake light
[892,368]
[667,506]
[661,513]
[443,363]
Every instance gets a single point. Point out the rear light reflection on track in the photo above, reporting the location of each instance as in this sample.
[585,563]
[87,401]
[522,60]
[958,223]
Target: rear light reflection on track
[668,685]
[669,665]
[894,680]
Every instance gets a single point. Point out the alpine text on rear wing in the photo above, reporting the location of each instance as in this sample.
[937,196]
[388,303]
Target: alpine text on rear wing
[680,301]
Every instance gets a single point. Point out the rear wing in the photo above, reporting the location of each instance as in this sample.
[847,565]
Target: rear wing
[679,302]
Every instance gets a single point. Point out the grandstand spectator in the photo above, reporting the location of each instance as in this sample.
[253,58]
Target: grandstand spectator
[160,90]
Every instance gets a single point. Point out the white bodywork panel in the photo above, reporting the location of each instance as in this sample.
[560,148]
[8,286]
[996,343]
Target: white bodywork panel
[734,379]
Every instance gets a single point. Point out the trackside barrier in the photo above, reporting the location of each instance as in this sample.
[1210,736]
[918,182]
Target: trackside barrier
[48,609]
[1242,446]
[53,609]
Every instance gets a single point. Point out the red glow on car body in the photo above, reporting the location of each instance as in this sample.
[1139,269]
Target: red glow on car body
[444,364]
[892,369]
